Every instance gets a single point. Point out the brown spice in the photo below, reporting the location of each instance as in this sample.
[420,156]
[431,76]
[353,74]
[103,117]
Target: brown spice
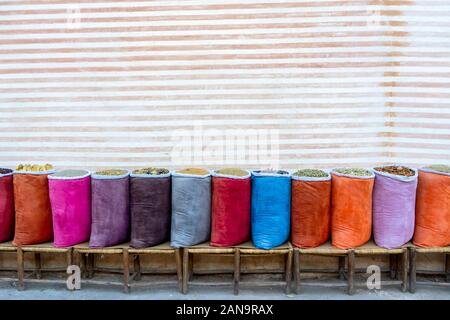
[397,170]
[5,171]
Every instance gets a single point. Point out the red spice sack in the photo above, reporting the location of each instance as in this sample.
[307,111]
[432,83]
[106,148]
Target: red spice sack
[231,203]
[6,205]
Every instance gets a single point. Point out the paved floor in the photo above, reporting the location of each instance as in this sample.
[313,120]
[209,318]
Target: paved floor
[8,291]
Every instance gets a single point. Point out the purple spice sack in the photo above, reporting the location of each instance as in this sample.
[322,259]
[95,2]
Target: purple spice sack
[150,199]
[394,202]
[110,210]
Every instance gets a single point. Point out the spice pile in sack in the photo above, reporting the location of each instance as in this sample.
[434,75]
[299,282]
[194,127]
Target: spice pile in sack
[150,206]
[271,208]
[191,207]
[110,208]
[394,202]
[33,212]
[310,213]
[351,207]
[70,198]
[231,203]
[433,207]
[6,205]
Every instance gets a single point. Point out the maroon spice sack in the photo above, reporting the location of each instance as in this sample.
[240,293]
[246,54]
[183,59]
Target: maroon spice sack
[110,208]
[6,205]
[150,199]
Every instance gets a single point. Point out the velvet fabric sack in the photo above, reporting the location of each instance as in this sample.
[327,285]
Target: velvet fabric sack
[271,209]
[394,203]
[432,227]
[70,198]
[150,197]
[32,206]
[191,209]
[231,203]
[6,205]
[351,209]
[310,216]
[110,210]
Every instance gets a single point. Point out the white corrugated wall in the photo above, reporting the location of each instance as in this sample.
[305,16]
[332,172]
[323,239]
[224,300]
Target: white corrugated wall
[227,82]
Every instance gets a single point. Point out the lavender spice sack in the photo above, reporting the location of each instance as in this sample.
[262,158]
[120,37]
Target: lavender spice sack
[110,209]
[394,200]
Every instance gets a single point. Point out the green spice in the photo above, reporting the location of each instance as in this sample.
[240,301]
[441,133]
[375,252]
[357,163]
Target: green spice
[313,173]
[194,171]
[233,172]
[70,173]
[397,170]
[354,171]
[440,168]
[112,172]
[151,171]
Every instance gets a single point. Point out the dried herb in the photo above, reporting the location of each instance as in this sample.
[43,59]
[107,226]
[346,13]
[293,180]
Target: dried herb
[112,172]
[271,171]
[70,173]
[440,168]
[312,173]
[194,171]
[5,171]
[34,167]
[151,171]
[233,172]
[397,170]
[360,172]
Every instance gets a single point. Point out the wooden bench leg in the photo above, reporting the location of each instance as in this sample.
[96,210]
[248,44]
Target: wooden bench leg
[69,257]
[37,265]
[137,267]
[412,270]
[185,270]
[90,257]
[342,267]
[297,270]
[20,268]
[351,272]
[393,266]
[237,271]
[179,265]
[404,270]
[447,267]
[191,266]
[288,271]
[126,271]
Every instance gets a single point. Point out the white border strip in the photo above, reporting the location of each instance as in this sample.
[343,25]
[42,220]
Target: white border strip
[35,172]
[87,174]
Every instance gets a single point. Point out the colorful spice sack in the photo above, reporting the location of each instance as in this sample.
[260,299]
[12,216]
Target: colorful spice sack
[231,203]
[6,205]
[271,208]
[110,208]
[32,206]
[310,217]
[191,207]
[433,207]
[394,202]
[351,207]
[150,207]
[70,198]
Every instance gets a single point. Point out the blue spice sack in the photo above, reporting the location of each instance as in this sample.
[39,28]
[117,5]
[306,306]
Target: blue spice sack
[271,208]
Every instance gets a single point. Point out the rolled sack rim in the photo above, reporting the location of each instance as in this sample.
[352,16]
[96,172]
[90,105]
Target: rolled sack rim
[87,174]
[311,179]
[394,176]
[103,177]
[186,175]
[37,173]
[150,176]
[219,175]
[372,176]
[6,174]
[258,173]
[424,169]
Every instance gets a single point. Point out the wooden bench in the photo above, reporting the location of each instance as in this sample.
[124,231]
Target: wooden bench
[248,249]
[85,257]
[37,250]
[206,249]
[7,247]
[413,251]
[326,250]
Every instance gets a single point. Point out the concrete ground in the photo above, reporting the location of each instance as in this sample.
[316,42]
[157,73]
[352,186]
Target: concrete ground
[39,291]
